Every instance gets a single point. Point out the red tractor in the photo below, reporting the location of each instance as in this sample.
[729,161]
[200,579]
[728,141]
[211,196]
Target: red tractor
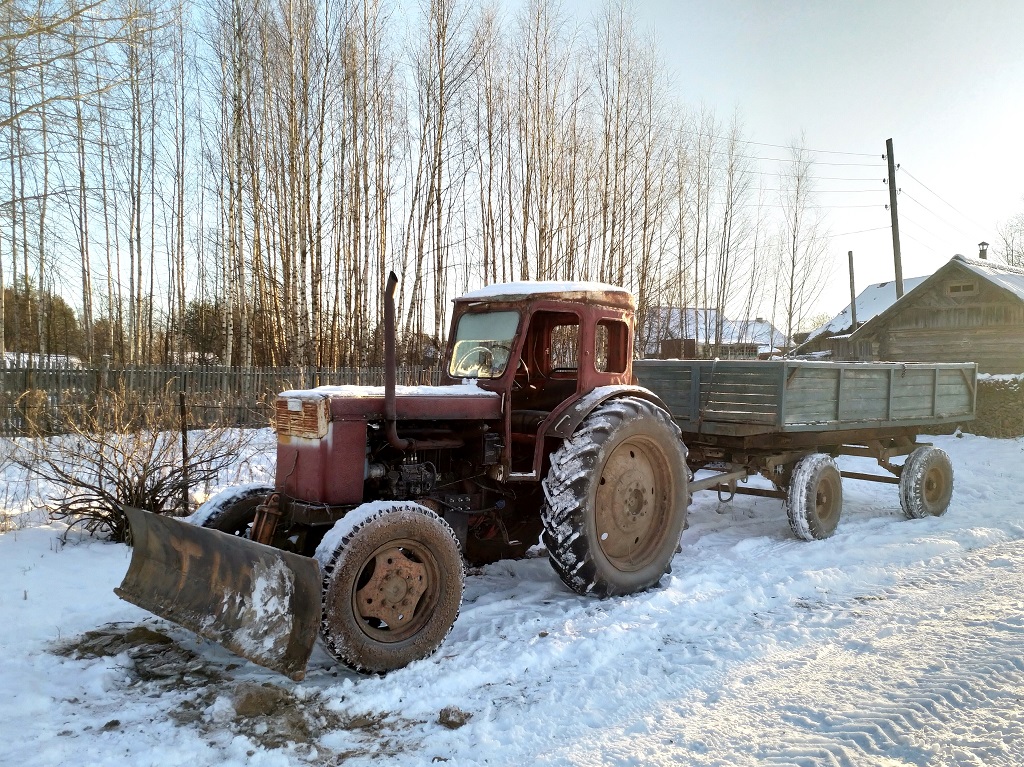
[382,494]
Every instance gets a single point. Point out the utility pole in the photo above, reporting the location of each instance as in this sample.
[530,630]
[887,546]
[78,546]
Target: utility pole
[853,298]
[895,220]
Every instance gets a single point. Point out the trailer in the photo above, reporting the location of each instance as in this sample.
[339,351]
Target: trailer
[787,420]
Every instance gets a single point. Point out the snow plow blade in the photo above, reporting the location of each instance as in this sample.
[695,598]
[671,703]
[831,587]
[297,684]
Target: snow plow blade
[255,600]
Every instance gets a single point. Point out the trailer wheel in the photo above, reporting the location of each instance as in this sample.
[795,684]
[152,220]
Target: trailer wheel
[926,483]
[232,511]
[392,586]
[814,499]
[615,499]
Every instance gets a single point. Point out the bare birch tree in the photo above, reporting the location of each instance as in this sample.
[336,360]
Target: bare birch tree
[803,267]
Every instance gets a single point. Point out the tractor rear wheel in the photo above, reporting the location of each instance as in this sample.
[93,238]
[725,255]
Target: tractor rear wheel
[615,499]
[233,510]
[392,586]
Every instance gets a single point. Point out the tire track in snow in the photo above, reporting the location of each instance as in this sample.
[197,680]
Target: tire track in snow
[928,673]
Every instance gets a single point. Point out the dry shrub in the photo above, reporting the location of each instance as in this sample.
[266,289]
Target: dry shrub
[125,452]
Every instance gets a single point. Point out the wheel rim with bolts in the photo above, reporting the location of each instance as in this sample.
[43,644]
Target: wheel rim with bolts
[630,510]
[396,591]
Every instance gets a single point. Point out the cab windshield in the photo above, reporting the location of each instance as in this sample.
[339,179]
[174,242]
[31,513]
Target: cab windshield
[483,343]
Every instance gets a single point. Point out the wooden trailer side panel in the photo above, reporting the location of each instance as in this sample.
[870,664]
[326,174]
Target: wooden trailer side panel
[745,398]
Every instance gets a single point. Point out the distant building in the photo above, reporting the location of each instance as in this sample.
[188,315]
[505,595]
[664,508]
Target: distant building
[20,360]
[834,334]
[674,333]
[969,310]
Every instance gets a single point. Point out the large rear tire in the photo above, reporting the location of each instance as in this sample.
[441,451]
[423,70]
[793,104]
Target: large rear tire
[615,499]
[233,510]
[926,483]
[392,586]
[814,499]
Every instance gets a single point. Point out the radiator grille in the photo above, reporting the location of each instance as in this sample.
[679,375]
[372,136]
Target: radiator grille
[301,418]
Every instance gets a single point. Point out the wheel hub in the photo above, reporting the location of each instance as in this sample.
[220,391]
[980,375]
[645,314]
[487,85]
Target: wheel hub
[632,501]
[393,591]
[823,501]
[933,486]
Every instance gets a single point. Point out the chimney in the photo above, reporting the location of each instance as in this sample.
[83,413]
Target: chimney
[983,250]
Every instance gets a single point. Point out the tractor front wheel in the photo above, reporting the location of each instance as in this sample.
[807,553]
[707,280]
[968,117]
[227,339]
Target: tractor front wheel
[392,586]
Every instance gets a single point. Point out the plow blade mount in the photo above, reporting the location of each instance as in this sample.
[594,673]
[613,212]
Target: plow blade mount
[255,600]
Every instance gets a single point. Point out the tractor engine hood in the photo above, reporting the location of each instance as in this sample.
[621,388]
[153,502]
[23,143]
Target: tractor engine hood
[322,433]
[457,402]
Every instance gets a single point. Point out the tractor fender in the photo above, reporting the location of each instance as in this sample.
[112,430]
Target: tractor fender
[572,416]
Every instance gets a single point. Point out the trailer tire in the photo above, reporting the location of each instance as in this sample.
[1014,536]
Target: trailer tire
[233,510]
[615,499]
[385,564]
[926,483]
[814,499]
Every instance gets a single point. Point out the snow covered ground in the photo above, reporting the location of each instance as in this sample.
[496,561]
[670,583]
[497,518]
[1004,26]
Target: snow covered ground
[895,642]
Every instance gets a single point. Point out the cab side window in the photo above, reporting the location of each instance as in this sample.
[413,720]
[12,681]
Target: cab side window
[564,350]
[611,339]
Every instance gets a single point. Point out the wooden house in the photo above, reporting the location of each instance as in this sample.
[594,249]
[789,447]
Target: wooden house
[970,310]
[832,340]
[677,333]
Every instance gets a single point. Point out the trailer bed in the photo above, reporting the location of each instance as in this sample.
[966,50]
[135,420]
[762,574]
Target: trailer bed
[712,399]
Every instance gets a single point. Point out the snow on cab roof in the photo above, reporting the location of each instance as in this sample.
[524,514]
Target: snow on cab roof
[533,287]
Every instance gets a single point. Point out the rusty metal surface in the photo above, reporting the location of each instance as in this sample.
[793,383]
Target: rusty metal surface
[393,592]
[257,601]
[520,295]
[420,403]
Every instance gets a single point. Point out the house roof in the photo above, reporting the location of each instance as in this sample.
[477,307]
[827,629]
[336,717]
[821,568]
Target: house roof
[871,301]
[1004,276]
[666,322]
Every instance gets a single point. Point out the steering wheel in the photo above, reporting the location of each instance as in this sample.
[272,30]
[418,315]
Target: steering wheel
[464,357]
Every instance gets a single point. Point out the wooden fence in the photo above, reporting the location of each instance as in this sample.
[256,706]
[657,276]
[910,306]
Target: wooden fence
[54,396]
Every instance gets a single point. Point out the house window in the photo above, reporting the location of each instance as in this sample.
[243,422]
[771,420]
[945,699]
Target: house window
[961,288]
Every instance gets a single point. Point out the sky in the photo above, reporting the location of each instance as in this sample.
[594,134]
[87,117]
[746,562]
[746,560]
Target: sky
[943,79]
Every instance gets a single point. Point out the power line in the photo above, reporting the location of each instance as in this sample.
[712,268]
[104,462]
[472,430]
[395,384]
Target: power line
[907,219]
[919,242]
[943,220]
[826,191]
[806,207]
[816,151]
[775,173]
[696,133]
[859,231]
[919,181]
[904,219]
[815,162]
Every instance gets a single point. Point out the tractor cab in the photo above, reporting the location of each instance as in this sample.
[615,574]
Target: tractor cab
[543,346]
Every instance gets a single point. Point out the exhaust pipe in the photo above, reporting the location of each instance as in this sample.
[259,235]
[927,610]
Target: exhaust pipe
[391,369]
